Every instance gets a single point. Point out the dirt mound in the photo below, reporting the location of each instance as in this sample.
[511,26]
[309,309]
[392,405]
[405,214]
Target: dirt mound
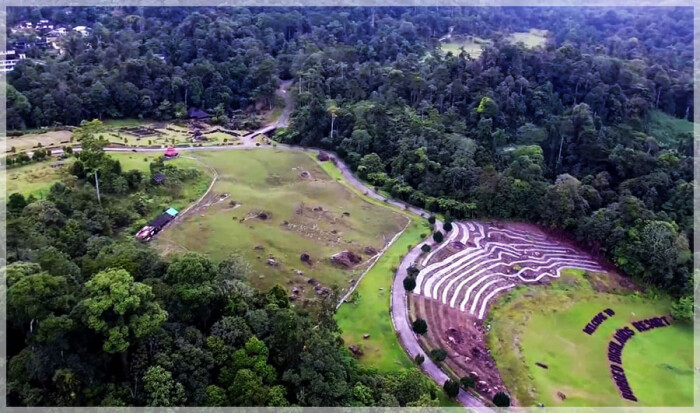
[454,335]
[261,215]
[305,175]
[355,350]
[347,259]
[370,250]
[305,258]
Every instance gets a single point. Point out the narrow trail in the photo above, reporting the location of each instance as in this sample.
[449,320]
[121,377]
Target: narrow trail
[399,308]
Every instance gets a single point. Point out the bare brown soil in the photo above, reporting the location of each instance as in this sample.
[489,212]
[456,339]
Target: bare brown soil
[462,336]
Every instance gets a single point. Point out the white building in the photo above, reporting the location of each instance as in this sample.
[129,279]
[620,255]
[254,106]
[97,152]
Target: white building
[82,30]
[9,59]
[44,25]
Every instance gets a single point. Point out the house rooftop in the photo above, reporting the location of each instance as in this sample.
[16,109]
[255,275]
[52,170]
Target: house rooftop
[196,113]
[158,178]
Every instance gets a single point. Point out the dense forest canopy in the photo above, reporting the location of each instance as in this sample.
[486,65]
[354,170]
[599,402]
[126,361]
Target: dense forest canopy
[574,136]
[232,56]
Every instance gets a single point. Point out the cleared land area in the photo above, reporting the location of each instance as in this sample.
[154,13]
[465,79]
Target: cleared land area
[671,131]
[36,178]
[531,39]
[545,325]
[288,218]
[368,312]
[130,133]
[471,45]
[32,141]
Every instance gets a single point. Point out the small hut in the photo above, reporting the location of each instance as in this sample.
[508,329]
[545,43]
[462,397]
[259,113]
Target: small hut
[158,178]
[198,114]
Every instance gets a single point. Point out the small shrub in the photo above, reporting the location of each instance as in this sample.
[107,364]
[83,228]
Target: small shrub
[431,219]
[419,359]
[420,327]
[412,271]
[467,382]
[409,283]
[438,237]
[425,248]
[438,354]
[447,227]
[451,388]
[501,399]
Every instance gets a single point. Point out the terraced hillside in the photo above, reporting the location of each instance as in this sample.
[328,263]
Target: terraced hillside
[464,275]
[478,261]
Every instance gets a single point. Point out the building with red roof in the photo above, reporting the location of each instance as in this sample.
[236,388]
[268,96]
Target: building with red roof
[171,153]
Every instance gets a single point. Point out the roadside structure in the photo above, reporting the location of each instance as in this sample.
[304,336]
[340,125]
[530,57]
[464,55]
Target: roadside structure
[157,224]
[171,153]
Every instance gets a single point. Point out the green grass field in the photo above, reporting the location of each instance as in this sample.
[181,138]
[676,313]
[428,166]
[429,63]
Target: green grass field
[370,313]
[668,129]
[472,46]
[531,39]
[544,324]
[36,178]
[316,215]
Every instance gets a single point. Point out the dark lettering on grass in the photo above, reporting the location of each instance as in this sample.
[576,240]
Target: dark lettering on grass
[651,323]
[597,320]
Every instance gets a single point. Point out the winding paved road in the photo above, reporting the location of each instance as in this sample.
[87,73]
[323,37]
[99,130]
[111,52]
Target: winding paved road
[399,309]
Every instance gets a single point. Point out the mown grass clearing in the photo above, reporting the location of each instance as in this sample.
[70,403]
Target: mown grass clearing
[531,39]
[368,313]
[31,141]
[306,211]
[473,46]
[669,130]
[543,324]
[36,178]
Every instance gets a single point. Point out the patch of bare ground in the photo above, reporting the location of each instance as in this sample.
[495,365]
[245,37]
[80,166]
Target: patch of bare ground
[318,223]
[462,336]
[210,200]
[261,215]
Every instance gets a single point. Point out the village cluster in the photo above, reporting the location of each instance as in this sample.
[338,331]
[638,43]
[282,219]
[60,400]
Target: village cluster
[42,35]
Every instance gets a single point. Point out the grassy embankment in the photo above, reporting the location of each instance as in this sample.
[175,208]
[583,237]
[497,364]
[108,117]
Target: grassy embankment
[370,313]
[544,324]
